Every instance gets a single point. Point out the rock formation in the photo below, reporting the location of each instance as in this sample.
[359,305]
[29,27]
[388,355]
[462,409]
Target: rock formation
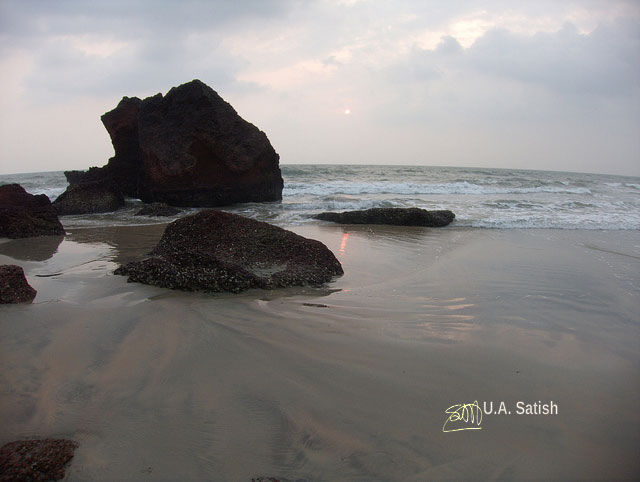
[89,198]
[217,251]
[394,216]
[188,148]
[23,215]
[35,460]
[13,285]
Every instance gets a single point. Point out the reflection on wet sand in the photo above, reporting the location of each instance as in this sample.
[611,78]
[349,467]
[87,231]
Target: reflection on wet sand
[129,242]
[39,248]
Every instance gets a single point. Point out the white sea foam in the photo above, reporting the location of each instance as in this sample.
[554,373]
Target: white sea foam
[407,188]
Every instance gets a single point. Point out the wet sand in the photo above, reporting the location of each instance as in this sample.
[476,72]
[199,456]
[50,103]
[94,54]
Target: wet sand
[346,382]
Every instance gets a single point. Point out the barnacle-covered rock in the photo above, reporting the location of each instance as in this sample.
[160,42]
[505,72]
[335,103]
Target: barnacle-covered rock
[14,287]
[24,215]
[218,251]
[35,459]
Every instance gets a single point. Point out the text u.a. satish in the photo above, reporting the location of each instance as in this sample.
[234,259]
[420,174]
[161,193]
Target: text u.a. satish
[522,408]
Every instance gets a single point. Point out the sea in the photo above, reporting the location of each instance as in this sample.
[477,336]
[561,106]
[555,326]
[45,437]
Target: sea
[479,197]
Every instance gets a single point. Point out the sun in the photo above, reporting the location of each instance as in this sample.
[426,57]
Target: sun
[347,111]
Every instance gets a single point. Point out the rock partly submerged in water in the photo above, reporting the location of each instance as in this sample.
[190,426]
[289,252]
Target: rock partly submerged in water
[218,251]
[14,287]
[393,216]
[188,148]
[158,210]
[35,460]
[23,215]
[89,198]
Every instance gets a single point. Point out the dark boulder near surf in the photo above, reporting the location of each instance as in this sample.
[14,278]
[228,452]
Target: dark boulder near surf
[218,251]
[35,460]
[23,215]
[89,198]
[187,148]
[393,216]
[14,287]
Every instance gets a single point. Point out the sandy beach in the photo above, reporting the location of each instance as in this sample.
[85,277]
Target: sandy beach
[345,382]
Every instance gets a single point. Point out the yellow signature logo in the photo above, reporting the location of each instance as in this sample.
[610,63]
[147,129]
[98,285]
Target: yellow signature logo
[463,416]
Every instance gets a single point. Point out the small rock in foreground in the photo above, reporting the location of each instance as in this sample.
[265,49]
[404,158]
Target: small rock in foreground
[393,216]
[218,251]
[14,287]
[35,459]
[24,215]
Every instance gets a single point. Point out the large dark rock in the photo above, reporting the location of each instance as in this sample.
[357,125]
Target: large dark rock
[88,198]
[188,148]
[23,215]
[217,251]
[13,285]
[35,460]
[394,216]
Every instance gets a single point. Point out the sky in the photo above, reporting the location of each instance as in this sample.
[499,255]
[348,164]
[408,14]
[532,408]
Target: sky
[535,84]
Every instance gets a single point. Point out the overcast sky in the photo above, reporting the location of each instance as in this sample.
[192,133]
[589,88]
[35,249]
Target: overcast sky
[530,84]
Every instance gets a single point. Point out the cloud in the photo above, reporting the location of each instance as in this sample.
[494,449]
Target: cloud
[448,45]
[98,48]
[506,76]
[42,17]
[602,63]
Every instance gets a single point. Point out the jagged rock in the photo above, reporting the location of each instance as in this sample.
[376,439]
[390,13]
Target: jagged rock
[23,215]
[188,148]
[94,174]
[35,460]
[89,198]
[217,251]
[14,287]
[159,210]
[394,216]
